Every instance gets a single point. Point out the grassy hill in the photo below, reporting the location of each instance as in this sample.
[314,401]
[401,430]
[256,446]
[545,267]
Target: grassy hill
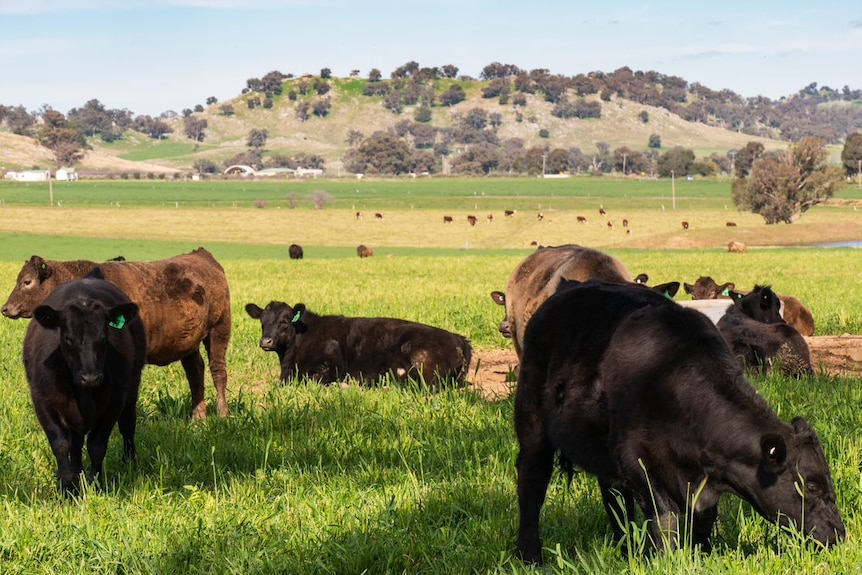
[620,125]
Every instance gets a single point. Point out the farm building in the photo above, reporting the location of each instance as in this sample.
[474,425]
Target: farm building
[29,176]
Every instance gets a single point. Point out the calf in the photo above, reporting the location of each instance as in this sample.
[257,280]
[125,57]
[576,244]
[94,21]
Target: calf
[83,356]
[760,338]
[735,247]
[328,348]
[295,252]
[644,394]
[364,251]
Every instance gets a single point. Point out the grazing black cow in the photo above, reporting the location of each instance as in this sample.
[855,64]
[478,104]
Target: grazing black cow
[83,356]
[644,394]
[759,337]
[295,252]
[328,348]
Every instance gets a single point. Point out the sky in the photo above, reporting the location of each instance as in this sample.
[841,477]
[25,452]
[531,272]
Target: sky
[150,56]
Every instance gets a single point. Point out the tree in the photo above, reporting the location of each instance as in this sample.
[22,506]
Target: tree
[453,95]
[212,100]
[677,161]
[321,107]
[194,128]
[257,138]
[782,187]
[745,158]
[20,120]
[325,73]
[851,155]
[66,140]
[374,75]
[654,141]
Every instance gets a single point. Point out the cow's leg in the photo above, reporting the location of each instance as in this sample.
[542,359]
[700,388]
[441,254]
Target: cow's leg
[127,423]
[619,506]
[216,345]
[193,364]
[702,527]
[67,447]
[97,447]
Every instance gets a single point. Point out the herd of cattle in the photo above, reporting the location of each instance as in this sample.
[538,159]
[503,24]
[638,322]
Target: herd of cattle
[614,376]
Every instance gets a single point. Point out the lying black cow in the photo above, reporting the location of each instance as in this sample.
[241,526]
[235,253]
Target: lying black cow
[329,348]
[644,394]
[760,338]
[83,356]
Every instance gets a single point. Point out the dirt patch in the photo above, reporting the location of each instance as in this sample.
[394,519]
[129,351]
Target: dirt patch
[495,370]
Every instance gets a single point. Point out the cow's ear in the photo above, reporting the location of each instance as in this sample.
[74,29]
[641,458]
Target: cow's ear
[43,270]
[48,317]
[498,297]
[121,314]
[642,279]
[298,325]
[734,295]
[726,289]
[773,453]
[688,288]
[668,290]
[253,310]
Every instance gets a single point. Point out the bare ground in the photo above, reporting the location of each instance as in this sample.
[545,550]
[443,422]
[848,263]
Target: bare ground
[494,370]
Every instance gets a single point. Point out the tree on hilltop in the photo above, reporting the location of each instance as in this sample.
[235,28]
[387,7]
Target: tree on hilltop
[63,138]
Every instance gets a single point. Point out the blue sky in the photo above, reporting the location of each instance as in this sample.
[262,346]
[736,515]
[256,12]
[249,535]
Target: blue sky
[152,56]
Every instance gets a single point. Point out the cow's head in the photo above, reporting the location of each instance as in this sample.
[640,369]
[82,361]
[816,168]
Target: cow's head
[794,485]
[85,327]
[35,281]
[760,304]
[707,288]
[279,324]
[500,299]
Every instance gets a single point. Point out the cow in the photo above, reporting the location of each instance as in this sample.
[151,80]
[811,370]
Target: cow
[685,225]
[536,278]
[358,215]
[295,252]
[472,220]
[582,220]
[184,301]
[602,211]
[643,394]
[625,223]
[490,218]
[760,338]
[447,219]
[730,224]
[509,213]
[792,310]
[610,225]
[364,251]
[83,356]
[378,216]
[736,247]
[328,348]
[540,216]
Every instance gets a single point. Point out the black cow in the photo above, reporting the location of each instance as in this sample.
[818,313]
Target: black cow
[83,356]
[760,338]
[295,251]
[645,395]
[328,348]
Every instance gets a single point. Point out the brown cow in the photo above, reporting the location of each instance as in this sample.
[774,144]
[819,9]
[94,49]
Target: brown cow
[793,311]
[184,301]
[364,251]
[735,247]
[509,213]
[582,220]
[447,219]
[471,220]
[685,225]
[537,277]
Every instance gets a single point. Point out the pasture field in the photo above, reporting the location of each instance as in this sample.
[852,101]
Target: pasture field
[305,479]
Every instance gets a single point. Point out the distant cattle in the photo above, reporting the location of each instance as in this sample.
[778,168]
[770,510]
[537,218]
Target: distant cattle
[472,220]
[83,356]
[685,225]
[610,225]
[735,247]
[358,215]
[537,277]
[731,224]
[644,394]
[509,213]
[760,338]
[582,220]
[295,252]
[540,216]
[329,348]
[602,211]
[793,311]
[378,216]
[490,218]
[447,219]
[364,251]
[184,302]
[625,223]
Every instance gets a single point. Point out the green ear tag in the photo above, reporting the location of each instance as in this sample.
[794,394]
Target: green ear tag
[118,322]
[295,317]
[725,292]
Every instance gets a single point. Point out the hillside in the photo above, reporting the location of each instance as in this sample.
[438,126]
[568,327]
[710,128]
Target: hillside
[621,124]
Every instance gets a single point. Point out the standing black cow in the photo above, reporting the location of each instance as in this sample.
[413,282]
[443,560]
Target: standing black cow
[329,348]
[295,251]
[759,336]
[83,356]
[644,394]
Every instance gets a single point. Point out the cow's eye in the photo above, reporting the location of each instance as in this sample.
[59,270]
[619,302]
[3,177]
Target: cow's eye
[813,487]
[26,283]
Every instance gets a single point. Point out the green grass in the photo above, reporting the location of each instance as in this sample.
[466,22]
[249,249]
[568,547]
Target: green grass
[303,479]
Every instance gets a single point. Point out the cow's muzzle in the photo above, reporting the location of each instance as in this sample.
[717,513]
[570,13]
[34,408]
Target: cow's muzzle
[90,380]
[267,344]
[505,329]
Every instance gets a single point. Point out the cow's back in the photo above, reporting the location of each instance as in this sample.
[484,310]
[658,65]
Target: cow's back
[537,277]
[181,299]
